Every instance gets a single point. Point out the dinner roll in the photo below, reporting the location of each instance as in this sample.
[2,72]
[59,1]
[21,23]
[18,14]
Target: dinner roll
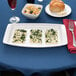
[56,6]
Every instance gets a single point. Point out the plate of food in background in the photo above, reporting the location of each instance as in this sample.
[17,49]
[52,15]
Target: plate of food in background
[32,11]
[57,8]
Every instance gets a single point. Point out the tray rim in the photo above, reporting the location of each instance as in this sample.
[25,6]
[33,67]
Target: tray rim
[9,25]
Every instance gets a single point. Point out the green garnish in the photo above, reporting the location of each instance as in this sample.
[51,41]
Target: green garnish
[23,37]
[39,8]
[36,36]
[53,33]
[23,30]
[19,36]
[51,36]
[31,36]
[52,30]
[25,11]
[31,12]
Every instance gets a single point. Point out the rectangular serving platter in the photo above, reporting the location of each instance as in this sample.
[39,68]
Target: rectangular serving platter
[60,28]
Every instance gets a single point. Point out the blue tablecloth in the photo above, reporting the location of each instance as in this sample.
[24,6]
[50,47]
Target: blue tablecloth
[30,60]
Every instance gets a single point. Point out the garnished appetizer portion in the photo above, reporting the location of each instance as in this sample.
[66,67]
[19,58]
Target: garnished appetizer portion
[36,36]
[19,36]
[51,36]
[32,9]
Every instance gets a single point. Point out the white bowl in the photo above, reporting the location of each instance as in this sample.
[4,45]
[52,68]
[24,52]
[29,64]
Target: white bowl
[31,16]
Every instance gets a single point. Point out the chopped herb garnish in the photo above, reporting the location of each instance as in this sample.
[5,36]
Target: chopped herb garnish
[31,36]
[19,36]
[36,36]
[31,12]
[52,30]
[25,11]
[23,37]
[39,8]
[53,33]
[23,30]
[51,36]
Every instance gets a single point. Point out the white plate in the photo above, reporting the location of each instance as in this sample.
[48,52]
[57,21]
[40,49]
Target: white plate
[67,11]
[62,37]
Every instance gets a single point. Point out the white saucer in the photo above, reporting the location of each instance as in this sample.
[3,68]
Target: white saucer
[67,11]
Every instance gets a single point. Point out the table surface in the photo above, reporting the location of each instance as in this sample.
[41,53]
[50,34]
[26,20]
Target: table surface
[32,58]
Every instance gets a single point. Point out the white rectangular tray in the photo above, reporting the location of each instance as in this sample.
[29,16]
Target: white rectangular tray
[62,36]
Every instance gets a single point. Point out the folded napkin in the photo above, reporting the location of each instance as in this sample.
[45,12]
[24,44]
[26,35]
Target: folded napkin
[70,46]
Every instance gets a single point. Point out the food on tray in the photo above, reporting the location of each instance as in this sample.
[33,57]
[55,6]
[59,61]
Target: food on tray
[19,36]
[36,36]
[51,36]
[56,6]
[32,9]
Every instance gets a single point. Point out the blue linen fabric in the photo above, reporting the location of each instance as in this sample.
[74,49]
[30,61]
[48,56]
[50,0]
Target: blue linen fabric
[30,60]
[75,74]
